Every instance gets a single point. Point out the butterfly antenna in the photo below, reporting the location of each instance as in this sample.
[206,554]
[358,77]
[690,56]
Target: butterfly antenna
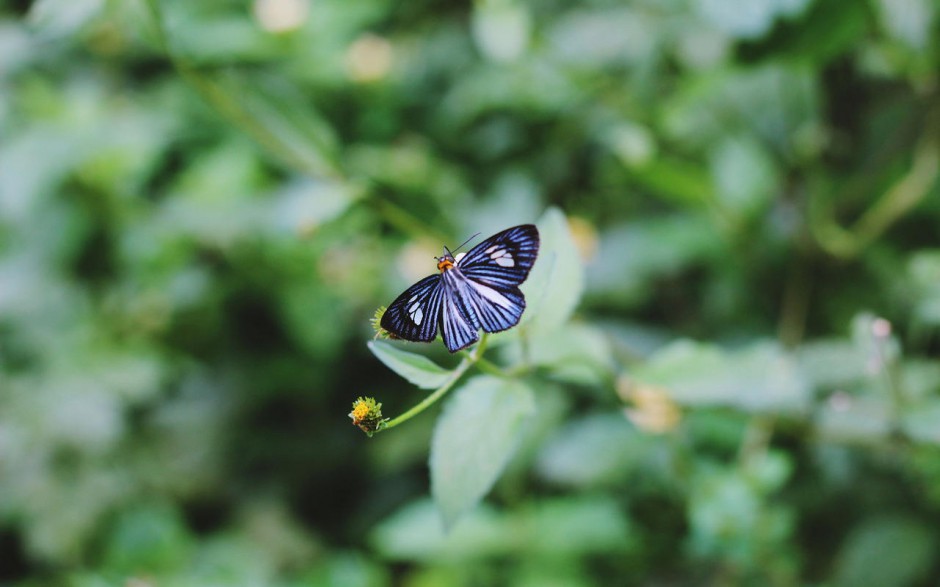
[466,241]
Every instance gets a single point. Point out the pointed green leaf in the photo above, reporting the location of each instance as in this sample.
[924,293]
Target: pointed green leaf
[474,439]
[555,284]
[416,369]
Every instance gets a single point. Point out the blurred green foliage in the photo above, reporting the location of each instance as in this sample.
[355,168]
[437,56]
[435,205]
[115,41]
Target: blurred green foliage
[203,203]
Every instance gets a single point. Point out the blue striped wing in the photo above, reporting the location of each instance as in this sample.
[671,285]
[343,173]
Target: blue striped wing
[492,309]
[504,260]
[458,324]
[414,315]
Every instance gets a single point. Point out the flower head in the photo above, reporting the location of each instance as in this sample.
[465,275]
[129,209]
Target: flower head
[376,322]
[367,415]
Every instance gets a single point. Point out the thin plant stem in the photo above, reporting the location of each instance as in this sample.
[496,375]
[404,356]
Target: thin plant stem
[467,362]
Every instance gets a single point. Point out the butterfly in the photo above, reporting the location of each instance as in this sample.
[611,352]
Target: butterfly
[470,292]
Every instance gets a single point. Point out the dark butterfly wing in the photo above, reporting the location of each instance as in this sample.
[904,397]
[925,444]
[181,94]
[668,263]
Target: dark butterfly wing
[503,261]
[485,307]
[414,315]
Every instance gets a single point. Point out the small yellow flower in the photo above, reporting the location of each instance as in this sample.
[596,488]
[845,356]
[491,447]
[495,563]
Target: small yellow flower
[653,410]
[376,322]
[367,415]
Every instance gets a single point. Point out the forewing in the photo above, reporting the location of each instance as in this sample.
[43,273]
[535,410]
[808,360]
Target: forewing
[415,313]
[503,261]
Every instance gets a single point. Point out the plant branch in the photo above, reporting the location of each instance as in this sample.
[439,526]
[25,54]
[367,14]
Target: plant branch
[468,361]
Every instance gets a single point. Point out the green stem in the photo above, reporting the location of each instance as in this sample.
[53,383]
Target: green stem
[909,191]
[467,362]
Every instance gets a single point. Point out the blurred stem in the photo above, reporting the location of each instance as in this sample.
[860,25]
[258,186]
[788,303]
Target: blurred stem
[468,361]
[406,221]
[492,368]
[756,440]
[892,381]
[226,104]
[900,199]
[795,303]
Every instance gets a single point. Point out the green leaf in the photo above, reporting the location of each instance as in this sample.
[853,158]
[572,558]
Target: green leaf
[574,352]
[747,19]
[639,254]
[761,378]
[473,441]
[847,418]
[908,21]
[597,450]
[555,284]
[744,175]
[889,551]
[565,528]
[149,539]
[922,421]
[62,18]
[416,369]
[776,102]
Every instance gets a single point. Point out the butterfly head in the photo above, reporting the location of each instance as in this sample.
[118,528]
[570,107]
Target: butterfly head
[445,261]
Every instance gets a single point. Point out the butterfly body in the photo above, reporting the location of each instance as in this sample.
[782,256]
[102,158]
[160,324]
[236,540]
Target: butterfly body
[479,290]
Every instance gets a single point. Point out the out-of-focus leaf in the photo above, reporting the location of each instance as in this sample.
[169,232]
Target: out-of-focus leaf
[304,205]
[909,21]
[501,29]
[574,352]
[675,180]
[923,271]
[747,19]
[922,421]
[555,283]
[744,175]
[414,368]
[886,551]
[151,539]
[561,528]
[582,526]
[847,418]
[349,569]
[415,532]
[59,18]
[762,378]
[594,450]
[606,36]
[473,440]
[826,30]
[633,255]
[730,517]
[831,363]
[777,102]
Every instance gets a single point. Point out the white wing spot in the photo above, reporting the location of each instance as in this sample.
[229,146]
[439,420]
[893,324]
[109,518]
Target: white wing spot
[459,256]
[416,313]
[502,257]
[491,249]
[505,261]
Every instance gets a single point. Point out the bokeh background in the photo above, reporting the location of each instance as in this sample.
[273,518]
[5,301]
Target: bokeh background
[203,203]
